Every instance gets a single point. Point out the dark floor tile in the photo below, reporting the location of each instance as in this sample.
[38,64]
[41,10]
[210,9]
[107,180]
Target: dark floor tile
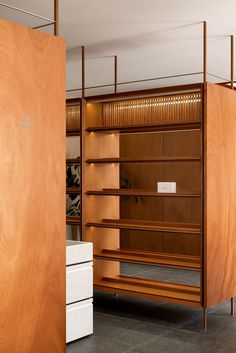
[178,343]
[94,344]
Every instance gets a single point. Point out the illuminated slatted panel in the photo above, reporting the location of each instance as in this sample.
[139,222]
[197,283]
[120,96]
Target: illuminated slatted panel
[165,109]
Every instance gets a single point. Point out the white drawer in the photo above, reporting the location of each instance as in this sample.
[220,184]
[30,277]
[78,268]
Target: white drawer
[77,252]
[79,320]
[79,282]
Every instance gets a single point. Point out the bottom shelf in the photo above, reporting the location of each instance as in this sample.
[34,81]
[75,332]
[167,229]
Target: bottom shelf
[146,288]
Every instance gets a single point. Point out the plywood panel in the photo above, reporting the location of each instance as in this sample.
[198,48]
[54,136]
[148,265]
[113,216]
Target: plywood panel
[32,188]
[182,244]
[220,194]
[95,208]
[187,177]
[141,177]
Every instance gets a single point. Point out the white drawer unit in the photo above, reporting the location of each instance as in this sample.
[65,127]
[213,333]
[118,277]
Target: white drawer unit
[78,252]
[79,282]
[79,290]
[79,320]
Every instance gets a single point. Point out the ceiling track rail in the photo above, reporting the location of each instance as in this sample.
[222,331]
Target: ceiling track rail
[50,22]
[204,72]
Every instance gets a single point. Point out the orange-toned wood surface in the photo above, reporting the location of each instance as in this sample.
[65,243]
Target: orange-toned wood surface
[32,189]
[151,258]
[220,194]
[151,289]
[186,175]
[99,176]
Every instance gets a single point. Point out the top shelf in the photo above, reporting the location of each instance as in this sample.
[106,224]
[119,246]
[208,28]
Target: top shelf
[170,126]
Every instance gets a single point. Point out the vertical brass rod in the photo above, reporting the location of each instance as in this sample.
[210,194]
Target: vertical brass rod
[205,318]
[232,306]
[56,17]
[204,51]
[115,73]
[232,61]
[83,71]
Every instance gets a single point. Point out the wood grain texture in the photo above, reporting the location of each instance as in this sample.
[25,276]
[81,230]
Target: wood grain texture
[151,226]
[99,176]
[186,175]
[220,194]
[150,289]
[181,125]
[151,258]
[32,188]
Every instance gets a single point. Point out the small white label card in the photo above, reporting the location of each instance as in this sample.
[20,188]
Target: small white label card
[168,187]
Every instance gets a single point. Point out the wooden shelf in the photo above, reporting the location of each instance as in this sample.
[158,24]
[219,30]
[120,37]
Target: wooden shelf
[73,190]
[181,125]
[151,258]
[73,220]
[73,161]
[140,192]
[183,159]
[145,288]
[143,225]
[72,132]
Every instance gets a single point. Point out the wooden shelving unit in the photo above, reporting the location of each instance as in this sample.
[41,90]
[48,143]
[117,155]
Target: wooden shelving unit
[73,161]
[130,142]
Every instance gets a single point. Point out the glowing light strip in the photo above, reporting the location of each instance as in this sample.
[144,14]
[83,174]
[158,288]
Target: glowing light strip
[134,106]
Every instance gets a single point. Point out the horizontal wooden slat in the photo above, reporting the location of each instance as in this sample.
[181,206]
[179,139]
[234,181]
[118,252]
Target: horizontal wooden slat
[72,132]
[73,190]
[140,192]
[178,159]
[152,226]
[151,258]
[73,161]
[181,125]
[73,220]
[163,291]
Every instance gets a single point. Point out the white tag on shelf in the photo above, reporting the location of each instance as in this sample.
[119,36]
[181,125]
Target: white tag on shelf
[168,187]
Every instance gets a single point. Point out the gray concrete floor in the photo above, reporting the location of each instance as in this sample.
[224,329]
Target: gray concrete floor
[125,324]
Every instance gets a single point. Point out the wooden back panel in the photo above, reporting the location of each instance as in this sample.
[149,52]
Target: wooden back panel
[220,194]
[32,189]
[187,177]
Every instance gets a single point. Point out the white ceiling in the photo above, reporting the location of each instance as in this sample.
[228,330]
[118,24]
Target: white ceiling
[152,38]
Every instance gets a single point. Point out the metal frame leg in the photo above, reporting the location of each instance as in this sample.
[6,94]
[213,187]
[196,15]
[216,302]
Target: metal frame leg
[205,318]
[232,306]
